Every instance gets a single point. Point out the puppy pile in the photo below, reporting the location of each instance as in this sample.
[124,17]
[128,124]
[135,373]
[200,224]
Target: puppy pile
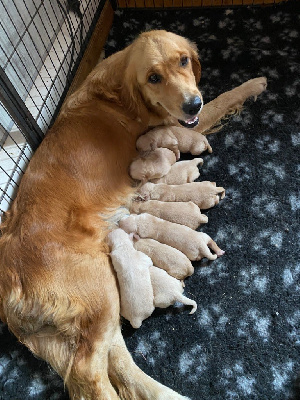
[152,249]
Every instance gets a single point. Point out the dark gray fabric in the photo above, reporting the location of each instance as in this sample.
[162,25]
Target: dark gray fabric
[244,341]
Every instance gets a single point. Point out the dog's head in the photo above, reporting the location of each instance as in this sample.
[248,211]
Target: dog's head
[163,71]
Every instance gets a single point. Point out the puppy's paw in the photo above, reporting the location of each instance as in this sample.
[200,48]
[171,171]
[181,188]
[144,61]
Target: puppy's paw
[200,145]
[208,245]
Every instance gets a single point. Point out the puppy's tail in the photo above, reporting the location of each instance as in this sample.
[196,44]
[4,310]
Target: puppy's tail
[188,302]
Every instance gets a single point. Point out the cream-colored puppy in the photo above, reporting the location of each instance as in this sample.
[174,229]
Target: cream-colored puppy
[153,165]
[183,213]
[158,137]
[173,137]
[132,268]
[190,141]
[167,290]
[195,245]
[173,261]
[204,194]
[181,172]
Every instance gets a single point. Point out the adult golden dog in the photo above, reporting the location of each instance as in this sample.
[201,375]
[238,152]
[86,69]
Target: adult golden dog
[58,290]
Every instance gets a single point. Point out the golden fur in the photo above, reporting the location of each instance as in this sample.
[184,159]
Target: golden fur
[58,290]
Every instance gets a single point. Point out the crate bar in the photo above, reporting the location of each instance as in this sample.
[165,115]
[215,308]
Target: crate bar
[18,111]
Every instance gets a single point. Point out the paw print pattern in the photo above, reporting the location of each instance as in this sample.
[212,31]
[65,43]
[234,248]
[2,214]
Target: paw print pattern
[147,348]
[212,319]
[251,280]
[281,377]
[213,274]
[295,137]
[241,171]
[235,140]
[244,118]
[276,170]
[254,326]
[272,119]
[227,24]
[293,322]
[202,22]
[267,144]
[294,201]
[280,18]
[193,363]
[264,205]
[235,376]
[262,242]
[233,50]
[233,197]
[290,277]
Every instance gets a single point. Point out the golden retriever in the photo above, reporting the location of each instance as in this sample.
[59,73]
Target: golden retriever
[58,290]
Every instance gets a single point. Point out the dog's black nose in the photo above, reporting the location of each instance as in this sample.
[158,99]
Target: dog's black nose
[192,106]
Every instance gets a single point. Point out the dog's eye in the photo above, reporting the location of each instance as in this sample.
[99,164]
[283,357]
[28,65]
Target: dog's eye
[184,61]
[154,78]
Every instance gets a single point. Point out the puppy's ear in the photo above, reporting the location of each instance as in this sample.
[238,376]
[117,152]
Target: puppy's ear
[195,62]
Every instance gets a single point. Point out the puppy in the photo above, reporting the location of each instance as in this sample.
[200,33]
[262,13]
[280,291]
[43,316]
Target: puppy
[171,260]
[195,245]
[183,213]
[132,268]
[153,165]
[167,290]
[181,172]
[205,194]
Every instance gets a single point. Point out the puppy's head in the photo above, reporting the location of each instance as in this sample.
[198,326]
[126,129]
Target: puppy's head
[164,70]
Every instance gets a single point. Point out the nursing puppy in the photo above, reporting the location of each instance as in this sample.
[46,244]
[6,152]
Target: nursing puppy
[195,245]
[184,213]
[132,268]
[165,257]
[205,194]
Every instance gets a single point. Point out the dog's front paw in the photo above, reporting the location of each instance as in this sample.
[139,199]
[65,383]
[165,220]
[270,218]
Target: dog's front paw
[254,87]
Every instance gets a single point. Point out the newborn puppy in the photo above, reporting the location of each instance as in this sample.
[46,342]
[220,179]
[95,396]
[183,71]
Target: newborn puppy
[190,141]
[181,172]
[132,268]
[174,137]
[195,245]
[167,290]
[161,136]
[173,261]
[153,165]
[205,194]
[184,213]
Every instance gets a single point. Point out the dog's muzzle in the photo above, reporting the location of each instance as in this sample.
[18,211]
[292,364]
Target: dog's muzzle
[189,123]
[191,107]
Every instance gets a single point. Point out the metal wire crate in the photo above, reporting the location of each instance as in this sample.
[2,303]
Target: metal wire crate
[41,45]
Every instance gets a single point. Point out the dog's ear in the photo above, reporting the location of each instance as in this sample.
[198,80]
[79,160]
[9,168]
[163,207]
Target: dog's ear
[195,62]
[131,96]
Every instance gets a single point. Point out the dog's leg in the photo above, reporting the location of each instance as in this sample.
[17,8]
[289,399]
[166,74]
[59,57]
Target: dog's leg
[84,371]
[130,381]
[228,103]
[77,339]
